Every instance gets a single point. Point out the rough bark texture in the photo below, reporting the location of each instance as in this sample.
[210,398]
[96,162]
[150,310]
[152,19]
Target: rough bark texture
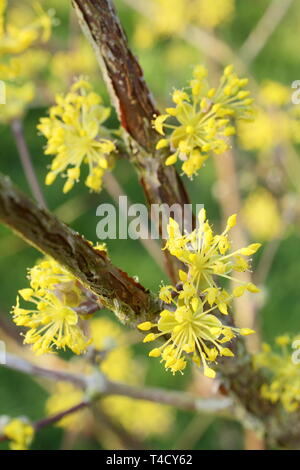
[130,301]
[161,184]
[118,292]
[134,105]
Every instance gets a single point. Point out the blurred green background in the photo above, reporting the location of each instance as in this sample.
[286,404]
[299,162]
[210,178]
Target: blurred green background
[167,62]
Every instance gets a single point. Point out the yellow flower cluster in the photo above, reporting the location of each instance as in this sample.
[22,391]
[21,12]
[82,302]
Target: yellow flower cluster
[73,62]
[20,30]
[75,135]
[192,327]
[139,417]
[261,215]
[284,385]
[19,432]
[54,322]
[170,17]
[210,14]
[277,121]
[15,39]
[203,119]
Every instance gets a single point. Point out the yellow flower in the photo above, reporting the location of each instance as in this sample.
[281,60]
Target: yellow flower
[19,432]
[140,417]
[169,16]
[20,31]
[15,39]
[207,257]
[210,14]
[190,325]
[54,322]
[191,330]
[274,93]
[284,383]
[261,215]
[266,131]
[204,119]
[276,123]
[17,100]
[165,294]
[75,135]
[66,64]
[48,274]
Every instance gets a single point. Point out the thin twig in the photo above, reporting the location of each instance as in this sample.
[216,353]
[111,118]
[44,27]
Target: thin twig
[25,157]
[22,365]
[269,253]
[267,24]
[214,47]
[128,440]
[38,425]
[98,386]
[55,418]
[136,110]
[230,202]
[117,291]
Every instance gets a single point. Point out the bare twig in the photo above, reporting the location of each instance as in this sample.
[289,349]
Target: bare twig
[214,47]
[264,29]
[118,292]
[230,202]
[55,418]
[269,253]
[22,365]
[25,157]
[98,386]
[126,439]
[38,425]
[134,104]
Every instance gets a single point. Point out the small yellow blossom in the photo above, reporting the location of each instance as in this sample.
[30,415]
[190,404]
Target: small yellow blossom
[274,93]
[15,39]
[207,257]
[191,324]
[17,100]
[169,17]
[284,380]
[266,132]
[204,119]
[165,294]
[210,14]
[21,30]
[261,215]
[20,433]
[53,322]
[75,135]
[191,330]
[277,121]
[66,64]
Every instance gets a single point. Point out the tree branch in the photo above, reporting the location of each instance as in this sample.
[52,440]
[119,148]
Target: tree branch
[25,157]
[134,104]
[265,27]
[118,292]
[54,418]
[97,386]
